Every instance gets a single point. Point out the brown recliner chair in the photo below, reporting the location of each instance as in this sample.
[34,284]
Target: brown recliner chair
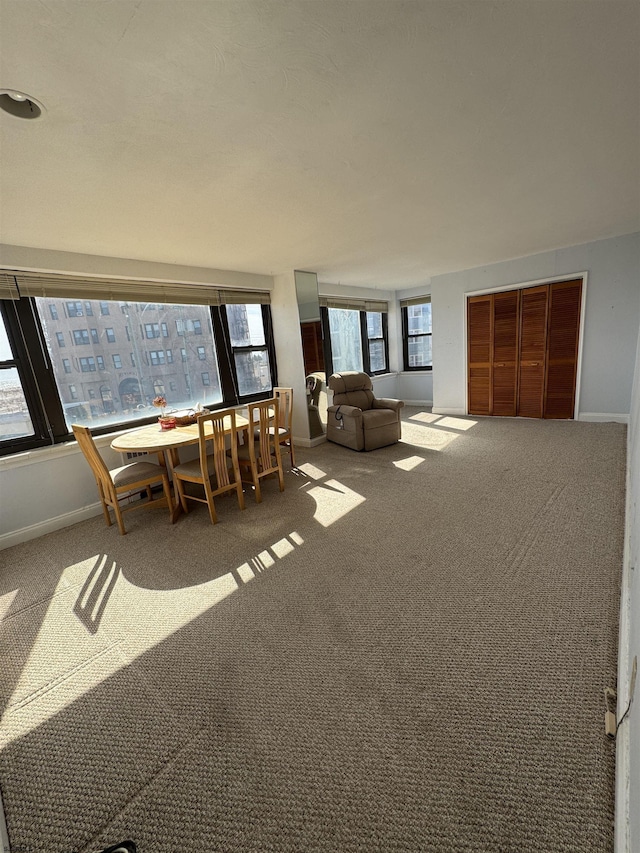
[357,419]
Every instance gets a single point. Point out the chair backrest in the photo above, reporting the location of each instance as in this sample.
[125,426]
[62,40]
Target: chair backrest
[263,416]
[213,429]
[87,446]
[352,388]
[285,400]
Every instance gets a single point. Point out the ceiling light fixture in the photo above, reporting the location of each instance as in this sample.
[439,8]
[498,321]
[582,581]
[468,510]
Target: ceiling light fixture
[19,104]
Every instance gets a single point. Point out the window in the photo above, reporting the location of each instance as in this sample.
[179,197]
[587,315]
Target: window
[15,419]
[247,333]
[229,362]
[376,322]
[416,333]
[356,335]
[88,365]
[346,340]
[189,327]
[53,311]
[74,309]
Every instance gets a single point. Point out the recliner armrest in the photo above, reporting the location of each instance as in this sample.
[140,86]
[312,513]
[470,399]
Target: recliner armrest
[346,411]
[384,403]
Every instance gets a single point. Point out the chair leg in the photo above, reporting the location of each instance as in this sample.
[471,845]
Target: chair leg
[119,519]
[290,446]
[211,506]
[105,508]
[181,496]
[240,492]
[256,482]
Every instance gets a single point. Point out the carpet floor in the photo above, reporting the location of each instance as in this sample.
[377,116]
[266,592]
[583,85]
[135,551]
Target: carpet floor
[404,651]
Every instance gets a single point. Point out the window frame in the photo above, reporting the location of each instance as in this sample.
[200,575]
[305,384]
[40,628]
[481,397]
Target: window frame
[30,357]
[407,336]
[364,339]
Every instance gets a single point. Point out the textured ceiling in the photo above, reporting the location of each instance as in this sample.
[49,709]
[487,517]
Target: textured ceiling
[377,143]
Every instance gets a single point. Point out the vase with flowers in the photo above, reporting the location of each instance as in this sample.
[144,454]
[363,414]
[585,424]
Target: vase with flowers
[165,421]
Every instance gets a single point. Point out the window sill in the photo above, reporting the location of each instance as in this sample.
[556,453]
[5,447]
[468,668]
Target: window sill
[53,451]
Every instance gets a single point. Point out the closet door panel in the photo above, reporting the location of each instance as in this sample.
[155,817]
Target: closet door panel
[505,353]
[565,300]
[533,345]
[480,348]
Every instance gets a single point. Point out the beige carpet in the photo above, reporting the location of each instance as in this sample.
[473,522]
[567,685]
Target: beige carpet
[404,651]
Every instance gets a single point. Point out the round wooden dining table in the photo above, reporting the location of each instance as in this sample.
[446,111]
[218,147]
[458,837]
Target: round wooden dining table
[167,443]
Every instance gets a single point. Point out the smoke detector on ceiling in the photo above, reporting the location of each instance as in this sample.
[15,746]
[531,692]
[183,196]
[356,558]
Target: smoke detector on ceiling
[19,104]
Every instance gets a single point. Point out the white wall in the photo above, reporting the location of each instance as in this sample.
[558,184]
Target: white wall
[611,320]
[288,343]
[48,260]
[45,489]
[628,738]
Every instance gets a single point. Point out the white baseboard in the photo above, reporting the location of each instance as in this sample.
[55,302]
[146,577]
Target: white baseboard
[603,417]
[309,442]
[427,403]
[449,410]
[32,531]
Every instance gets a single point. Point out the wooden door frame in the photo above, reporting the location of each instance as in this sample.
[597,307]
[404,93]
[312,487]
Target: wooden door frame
[522,286]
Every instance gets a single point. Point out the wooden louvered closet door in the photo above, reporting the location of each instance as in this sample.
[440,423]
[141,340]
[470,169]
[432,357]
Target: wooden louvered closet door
[533,347]
[480,346]
[505,352]
[565,298]
[523,351]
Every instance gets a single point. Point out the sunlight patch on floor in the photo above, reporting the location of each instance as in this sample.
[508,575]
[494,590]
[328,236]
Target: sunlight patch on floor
[6,601]
[97,622]
[311,471]
[424,417]
[333,501]
[429,438]
[456,423]
[409,463]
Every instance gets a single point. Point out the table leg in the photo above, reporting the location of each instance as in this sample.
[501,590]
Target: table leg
[171,457]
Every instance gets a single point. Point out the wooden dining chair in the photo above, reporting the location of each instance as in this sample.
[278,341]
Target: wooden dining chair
[285,423]
[114,484]
[211,469]
[261,457]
